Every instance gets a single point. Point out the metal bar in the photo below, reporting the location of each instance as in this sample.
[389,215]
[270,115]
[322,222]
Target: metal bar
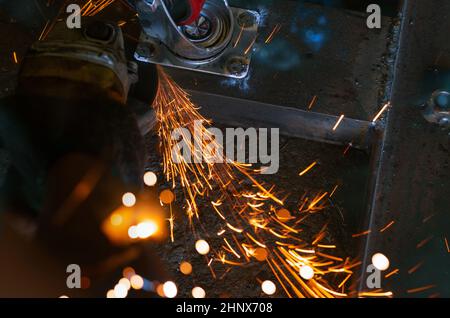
[291,122]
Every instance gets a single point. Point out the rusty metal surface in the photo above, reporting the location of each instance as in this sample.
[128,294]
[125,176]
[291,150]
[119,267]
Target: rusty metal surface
[411,182]
[342,215]
[319,50]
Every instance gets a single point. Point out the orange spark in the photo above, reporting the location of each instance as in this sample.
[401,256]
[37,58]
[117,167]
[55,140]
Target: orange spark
[420,289]
[319,237]
[330,257]
[171,224]
[361,234]
[386,106]
[334,190]
[423,242]
[387,226]
[44,31]
[349,146]
[232,250]
[275,30]
[375,294]
[313,101]
[16,60]
[308,168]
[392,273]
[326,246]
[341,118]
[239,37]
[415,268]
[317,200]
[256,241]
[250,46]
[234,228]
[346,279]
[91,9]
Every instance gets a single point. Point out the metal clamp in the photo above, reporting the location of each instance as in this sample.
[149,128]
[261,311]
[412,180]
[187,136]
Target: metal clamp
[219,42]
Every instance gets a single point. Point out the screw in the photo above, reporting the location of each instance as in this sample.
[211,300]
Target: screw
[147,49]
[237,66]
[444,122]
[442,100]
[246,19]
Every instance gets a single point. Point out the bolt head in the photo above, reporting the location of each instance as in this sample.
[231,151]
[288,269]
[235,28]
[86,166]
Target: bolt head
[442,100]
[237,66]
[247,19]
[444,122]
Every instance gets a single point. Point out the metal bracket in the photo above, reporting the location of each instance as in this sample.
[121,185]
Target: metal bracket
[232,60]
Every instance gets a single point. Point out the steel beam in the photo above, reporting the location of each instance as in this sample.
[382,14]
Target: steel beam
[292,122]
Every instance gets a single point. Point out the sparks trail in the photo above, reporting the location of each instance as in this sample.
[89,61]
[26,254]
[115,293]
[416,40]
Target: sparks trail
[375,294]
[424,242]
[415,268]
[89,8]
[239,37]
[392,273]
[341,118]
[361,234]
[313,101]
[250,46]
[253,229]
[380,113]
[15,59]
[387,226]
[272,34]
[446,245]
[308,168]
[420,289]
[347,149]
[255,225]
[44,31]
[92,7]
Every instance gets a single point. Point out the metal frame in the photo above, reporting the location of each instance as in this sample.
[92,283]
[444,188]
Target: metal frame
[400,154]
